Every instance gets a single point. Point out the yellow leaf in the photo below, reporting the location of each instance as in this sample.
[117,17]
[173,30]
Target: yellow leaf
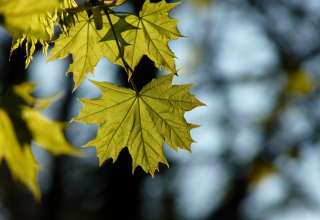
[24,16]
[43,103]
[154,29]
[47,133]
[20,124]
[114,2]
[300,82]
[83,42]
[142,122]
[31,22]
[19,157]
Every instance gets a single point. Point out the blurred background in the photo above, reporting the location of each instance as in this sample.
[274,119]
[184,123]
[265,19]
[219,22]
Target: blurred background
[256,65]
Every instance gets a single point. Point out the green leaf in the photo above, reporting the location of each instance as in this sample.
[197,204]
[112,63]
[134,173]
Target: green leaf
[83,42]
[119,27]
[154,29]
[20,125]
[142,122]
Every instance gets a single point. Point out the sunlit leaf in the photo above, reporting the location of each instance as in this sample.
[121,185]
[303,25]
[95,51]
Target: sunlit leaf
[19,157]
[24,16]
[114,2]
[154,29]
[142,122]
[27,21]
[83,42]
[20,125]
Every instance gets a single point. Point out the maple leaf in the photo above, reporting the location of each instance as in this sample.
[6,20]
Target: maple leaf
[119,27]
[112,3]
[142,121]
[19,157]
[154,29]
[22,16]
[20,124]
[83,42]
[27,21]
[63,17]
[31,22]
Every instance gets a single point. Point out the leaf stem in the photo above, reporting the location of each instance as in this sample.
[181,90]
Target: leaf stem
[125,64]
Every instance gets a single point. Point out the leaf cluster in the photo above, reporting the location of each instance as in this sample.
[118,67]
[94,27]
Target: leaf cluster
[143,121]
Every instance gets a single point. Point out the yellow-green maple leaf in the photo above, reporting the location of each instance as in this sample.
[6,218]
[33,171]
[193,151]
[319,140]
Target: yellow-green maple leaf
[20,124]
[31,22]
[22,16]
[63,17]
[141,122]
[154,29]
[83,42]
[19,157]
[27,21]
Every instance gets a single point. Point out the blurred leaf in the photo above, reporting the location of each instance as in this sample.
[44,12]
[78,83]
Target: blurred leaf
[300,82]
[23,16]
[202,3]
[43,103]
[114,2]
[261,170]
[19,157]
[29,23]
[20,124]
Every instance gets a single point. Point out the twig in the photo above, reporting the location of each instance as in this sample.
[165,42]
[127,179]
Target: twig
[125,64]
